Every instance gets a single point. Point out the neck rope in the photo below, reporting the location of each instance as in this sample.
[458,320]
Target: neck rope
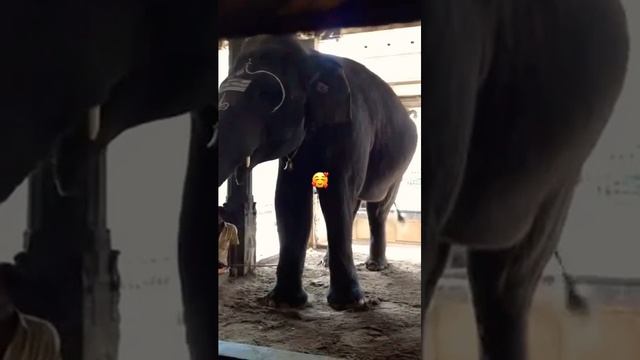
[289,163]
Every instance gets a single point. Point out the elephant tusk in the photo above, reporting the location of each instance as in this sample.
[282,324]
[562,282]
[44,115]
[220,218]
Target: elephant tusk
[248,161]
[57,181]
[94,122]
[59,187]
[214,137]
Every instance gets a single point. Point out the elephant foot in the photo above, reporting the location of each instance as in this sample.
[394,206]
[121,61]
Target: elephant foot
[325,260]
[285,299]
[376,264]
[347,300]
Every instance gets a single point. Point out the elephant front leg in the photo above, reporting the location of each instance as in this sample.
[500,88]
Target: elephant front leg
[293,213]
[325,259]
[197,247]
[337,207]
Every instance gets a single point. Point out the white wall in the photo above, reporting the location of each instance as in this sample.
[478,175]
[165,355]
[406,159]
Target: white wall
[602,234]
[146,168]
[13,222]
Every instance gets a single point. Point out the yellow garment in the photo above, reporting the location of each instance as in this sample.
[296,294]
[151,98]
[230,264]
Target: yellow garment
[228,237]
[35,339]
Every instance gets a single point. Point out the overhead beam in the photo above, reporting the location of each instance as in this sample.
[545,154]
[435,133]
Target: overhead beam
[247,18]
[360,29]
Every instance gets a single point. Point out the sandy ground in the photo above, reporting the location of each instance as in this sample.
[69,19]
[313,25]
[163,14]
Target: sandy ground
[389,330]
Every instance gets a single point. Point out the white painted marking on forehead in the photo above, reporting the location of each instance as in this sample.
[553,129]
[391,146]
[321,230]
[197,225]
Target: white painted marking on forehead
[223,105]
[234,84]
[284,95]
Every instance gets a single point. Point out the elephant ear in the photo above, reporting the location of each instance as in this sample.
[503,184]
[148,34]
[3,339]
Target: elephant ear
[329,94]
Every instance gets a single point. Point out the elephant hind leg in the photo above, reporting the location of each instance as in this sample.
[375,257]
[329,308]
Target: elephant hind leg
[439,255]
[377,213]
[503,282]
[435,253]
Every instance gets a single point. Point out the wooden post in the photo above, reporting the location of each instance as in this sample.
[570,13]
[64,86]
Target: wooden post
[241,208]
[70,269]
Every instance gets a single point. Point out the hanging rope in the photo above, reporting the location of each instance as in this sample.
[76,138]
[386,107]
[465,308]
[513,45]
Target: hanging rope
[398,213]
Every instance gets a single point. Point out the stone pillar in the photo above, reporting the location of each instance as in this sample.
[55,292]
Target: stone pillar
[68,263]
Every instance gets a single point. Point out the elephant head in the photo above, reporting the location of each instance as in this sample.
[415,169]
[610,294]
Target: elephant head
[278,92]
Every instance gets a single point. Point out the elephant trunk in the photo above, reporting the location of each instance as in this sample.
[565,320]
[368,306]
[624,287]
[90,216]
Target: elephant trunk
[228,167]
[234,151]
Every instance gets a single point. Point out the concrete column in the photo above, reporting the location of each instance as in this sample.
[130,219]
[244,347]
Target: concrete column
[69,266]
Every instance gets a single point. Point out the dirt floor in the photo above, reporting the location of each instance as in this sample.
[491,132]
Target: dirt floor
[390,329]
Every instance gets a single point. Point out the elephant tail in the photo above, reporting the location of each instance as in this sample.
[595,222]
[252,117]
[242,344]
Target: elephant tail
[576,303]
[399,214]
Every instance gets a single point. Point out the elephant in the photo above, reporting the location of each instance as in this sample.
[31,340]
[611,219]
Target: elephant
[75,75]
[138,62]
[518,94]
[315,113]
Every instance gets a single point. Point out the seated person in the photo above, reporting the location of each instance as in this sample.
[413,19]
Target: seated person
[227,236]
[23,337]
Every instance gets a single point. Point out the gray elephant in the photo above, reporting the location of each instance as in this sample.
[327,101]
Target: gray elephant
[516,96]
[317,114]
[138,62]
[75,75]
